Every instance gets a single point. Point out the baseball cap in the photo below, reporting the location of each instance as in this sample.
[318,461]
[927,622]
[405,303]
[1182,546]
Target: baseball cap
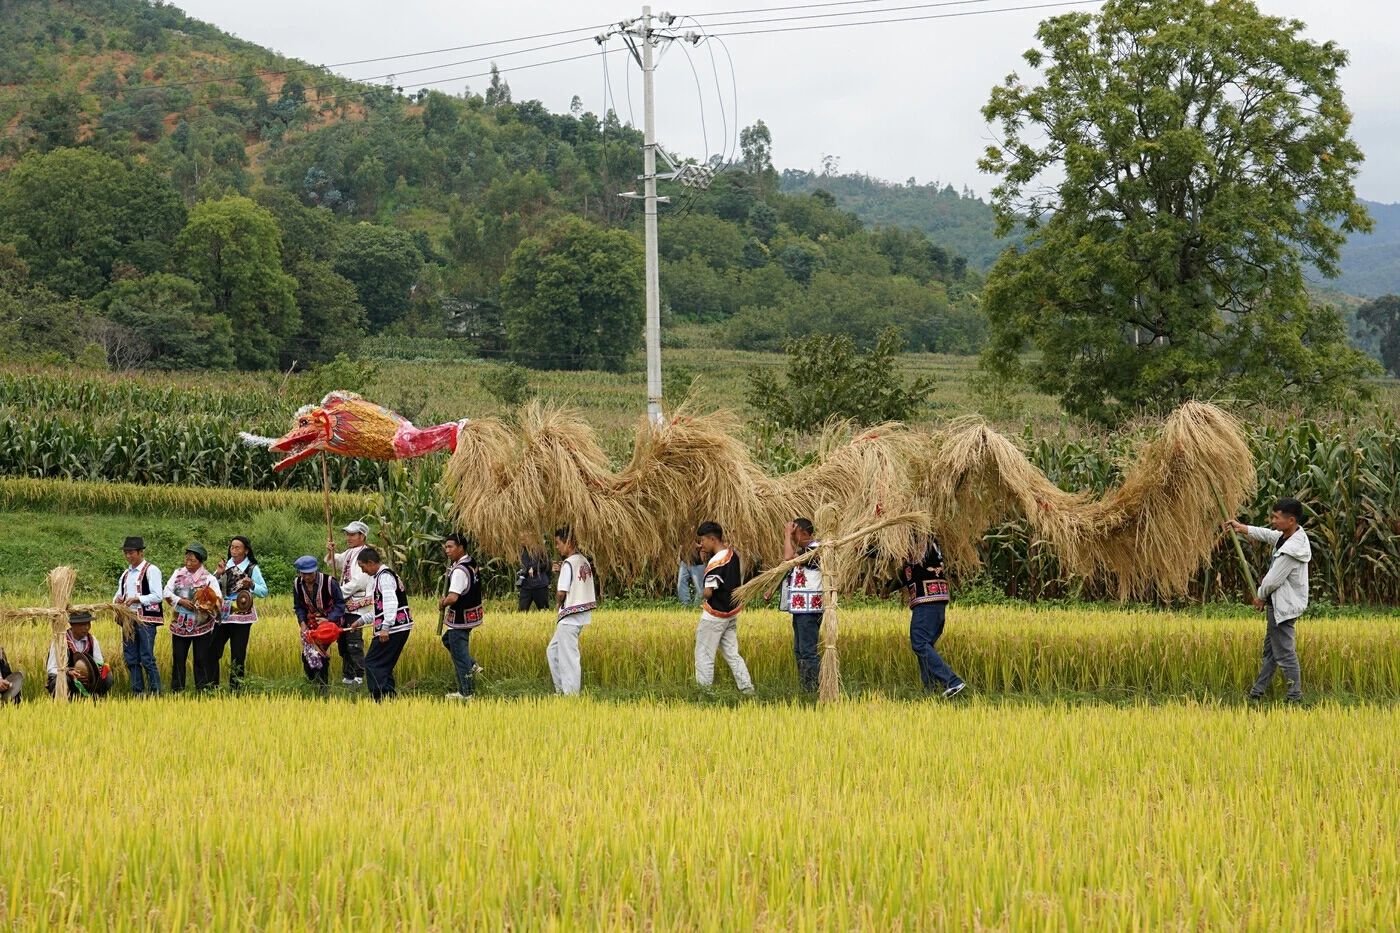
[356,528]
[305,564]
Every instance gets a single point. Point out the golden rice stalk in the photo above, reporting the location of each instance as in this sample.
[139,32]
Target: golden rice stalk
[829,675]
[1149,534]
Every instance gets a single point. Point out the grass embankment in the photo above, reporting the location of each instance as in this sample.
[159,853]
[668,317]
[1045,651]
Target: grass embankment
[1007,652]
[573,814]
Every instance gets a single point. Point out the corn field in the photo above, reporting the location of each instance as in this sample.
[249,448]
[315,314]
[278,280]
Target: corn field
[285,814]
[634,651]
[161,431]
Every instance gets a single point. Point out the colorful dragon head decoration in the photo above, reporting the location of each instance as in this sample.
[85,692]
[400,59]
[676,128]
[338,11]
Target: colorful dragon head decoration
[350,426]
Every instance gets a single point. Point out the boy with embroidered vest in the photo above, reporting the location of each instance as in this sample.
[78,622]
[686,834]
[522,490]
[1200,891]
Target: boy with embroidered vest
[83,664]
[719,613]
[355,585]
[926,588]
[140,587]
[802,598]
[316,598]
[577,593]
[392,622]
[461,612]
[1282,595]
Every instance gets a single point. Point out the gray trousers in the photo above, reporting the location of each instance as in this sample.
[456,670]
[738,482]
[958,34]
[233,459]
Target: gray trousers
[720,635]
[565,665]
[1280,654]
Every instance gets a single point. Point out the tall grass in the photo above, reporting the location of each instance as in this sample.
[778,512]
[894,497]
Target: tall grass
[1112,655]
[281,814]
[136,499]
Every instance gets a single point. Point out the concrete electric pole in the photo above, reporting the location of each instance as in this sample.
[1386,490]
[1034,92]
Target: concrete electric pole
[642,39]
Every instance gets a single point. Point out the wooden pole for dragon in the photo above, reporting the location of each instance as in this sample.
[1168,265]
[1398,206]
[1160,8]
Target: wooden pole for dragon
[326,491]
[1239,549]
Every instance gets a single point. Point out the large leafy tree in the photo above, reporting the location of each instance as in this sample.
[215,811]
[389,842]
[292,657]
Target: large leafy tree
[1382,317]
[169,316]
[232,248]
[572,298]
[1178,163]
[384,264]
[73,214]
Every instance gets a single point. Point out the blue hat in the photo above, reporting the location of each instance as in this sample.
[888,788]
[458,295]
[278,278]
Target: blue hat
[305,564]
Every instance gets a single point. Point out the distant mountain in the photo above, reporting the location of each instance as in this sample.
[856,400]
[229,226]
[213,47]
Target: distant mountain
[1371,262]
[958,221]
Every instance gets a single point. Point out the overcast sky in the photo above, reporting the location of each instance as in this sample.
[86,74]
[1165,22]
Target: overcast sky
[893,101]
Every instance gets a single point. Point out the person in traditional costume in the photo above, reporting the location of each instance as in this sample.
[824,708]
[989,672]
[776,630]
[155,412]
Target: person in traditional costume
[577,597]
[355,584]
[461,612]
[532,580]
[802,599]
[925,586]
[193,592]
[317,600]
[392,622]
[719,613]
[83,664]
[11,681]
[241,581]
[139,588]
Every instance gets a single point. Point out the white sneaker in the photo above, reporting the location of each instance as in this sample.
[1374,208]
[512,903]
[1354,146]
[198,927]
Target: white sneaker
[954,691]
[349,681]
[478,669]
[454,695]
[359,681]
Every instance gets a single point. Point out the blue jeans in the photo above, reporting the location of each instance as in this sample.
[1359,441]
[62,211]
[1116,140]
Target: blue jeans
[925,626]
[690,584]
[806,632]
[140,656]
[458,642]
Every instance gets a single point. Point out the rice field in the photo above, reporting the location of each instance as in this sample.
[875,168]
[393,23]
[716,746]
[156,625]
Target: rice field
[1101,776]
[274,813]
[647,652]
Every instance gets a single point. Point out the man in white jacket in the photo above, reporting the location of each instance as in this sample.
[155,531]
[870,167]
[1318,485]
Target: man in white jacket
[1282,595]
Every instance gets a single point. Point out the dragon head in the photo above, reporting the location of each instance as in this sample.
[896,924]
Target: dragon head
[344,424]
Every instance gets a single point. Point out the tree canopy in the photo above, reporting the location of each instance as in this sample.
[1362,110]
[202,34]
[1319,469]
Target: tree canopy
[1177,164]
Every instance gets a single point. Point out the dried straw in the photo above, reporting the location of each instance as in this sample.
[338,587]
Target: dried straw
[1148,535]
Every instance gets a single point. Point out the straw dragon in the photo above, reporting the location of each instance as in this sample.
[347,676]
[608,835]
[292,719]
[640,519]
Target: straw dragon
[1148,535]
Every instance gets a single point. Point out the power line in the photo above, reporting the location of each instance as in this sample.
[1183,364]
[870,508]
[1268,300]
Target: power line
[794,6]
[904,19]
[868,12]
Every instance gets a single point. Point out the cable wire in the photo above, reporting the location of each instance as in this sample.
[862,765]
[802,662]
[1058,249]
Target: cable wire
[906,19]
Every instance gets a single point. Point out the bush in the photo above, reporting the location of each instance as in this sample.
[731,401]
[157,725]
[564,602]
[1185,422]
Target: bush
[508,384]
[827,379]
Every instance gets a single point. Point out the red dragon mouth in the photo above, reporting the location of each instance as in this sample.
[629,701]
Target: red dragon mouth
[303,441]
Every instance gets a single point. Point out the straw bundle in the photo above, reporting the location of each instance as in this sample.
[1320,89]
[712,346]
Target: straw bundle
[61,581]
[1148,535]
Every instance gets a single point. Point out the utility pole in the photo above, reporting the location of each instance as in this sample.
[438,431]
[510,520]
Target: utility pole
[642,39]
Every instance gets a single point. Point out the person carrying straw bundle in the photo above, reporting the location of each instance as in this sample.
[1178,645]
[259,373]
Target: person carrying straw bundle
[461,613]
[1282,595]
[718,629]
[925,584]
[802,599]
[577,595]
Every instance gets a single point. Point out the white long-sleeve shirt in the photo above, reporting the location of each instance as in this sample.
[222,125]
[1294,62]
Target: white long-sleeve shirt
[129,584]
[86,645]
[355,585]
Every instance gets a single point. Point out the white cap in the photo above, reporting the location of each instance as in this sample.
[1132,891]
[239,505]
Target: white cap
[356,528]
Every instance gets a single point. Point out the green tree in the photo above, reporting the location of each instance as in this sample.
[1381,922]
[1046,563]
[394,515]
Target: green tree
[827,378]
[572,298]
[384,264]
[332,319]
[232,248]
[75,213]
[1382,316]
[170,317]
[1178,165]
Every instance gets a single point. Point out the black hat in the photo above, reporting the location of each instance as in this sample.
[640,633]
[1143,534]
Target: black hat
[133,543]
[78,617]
